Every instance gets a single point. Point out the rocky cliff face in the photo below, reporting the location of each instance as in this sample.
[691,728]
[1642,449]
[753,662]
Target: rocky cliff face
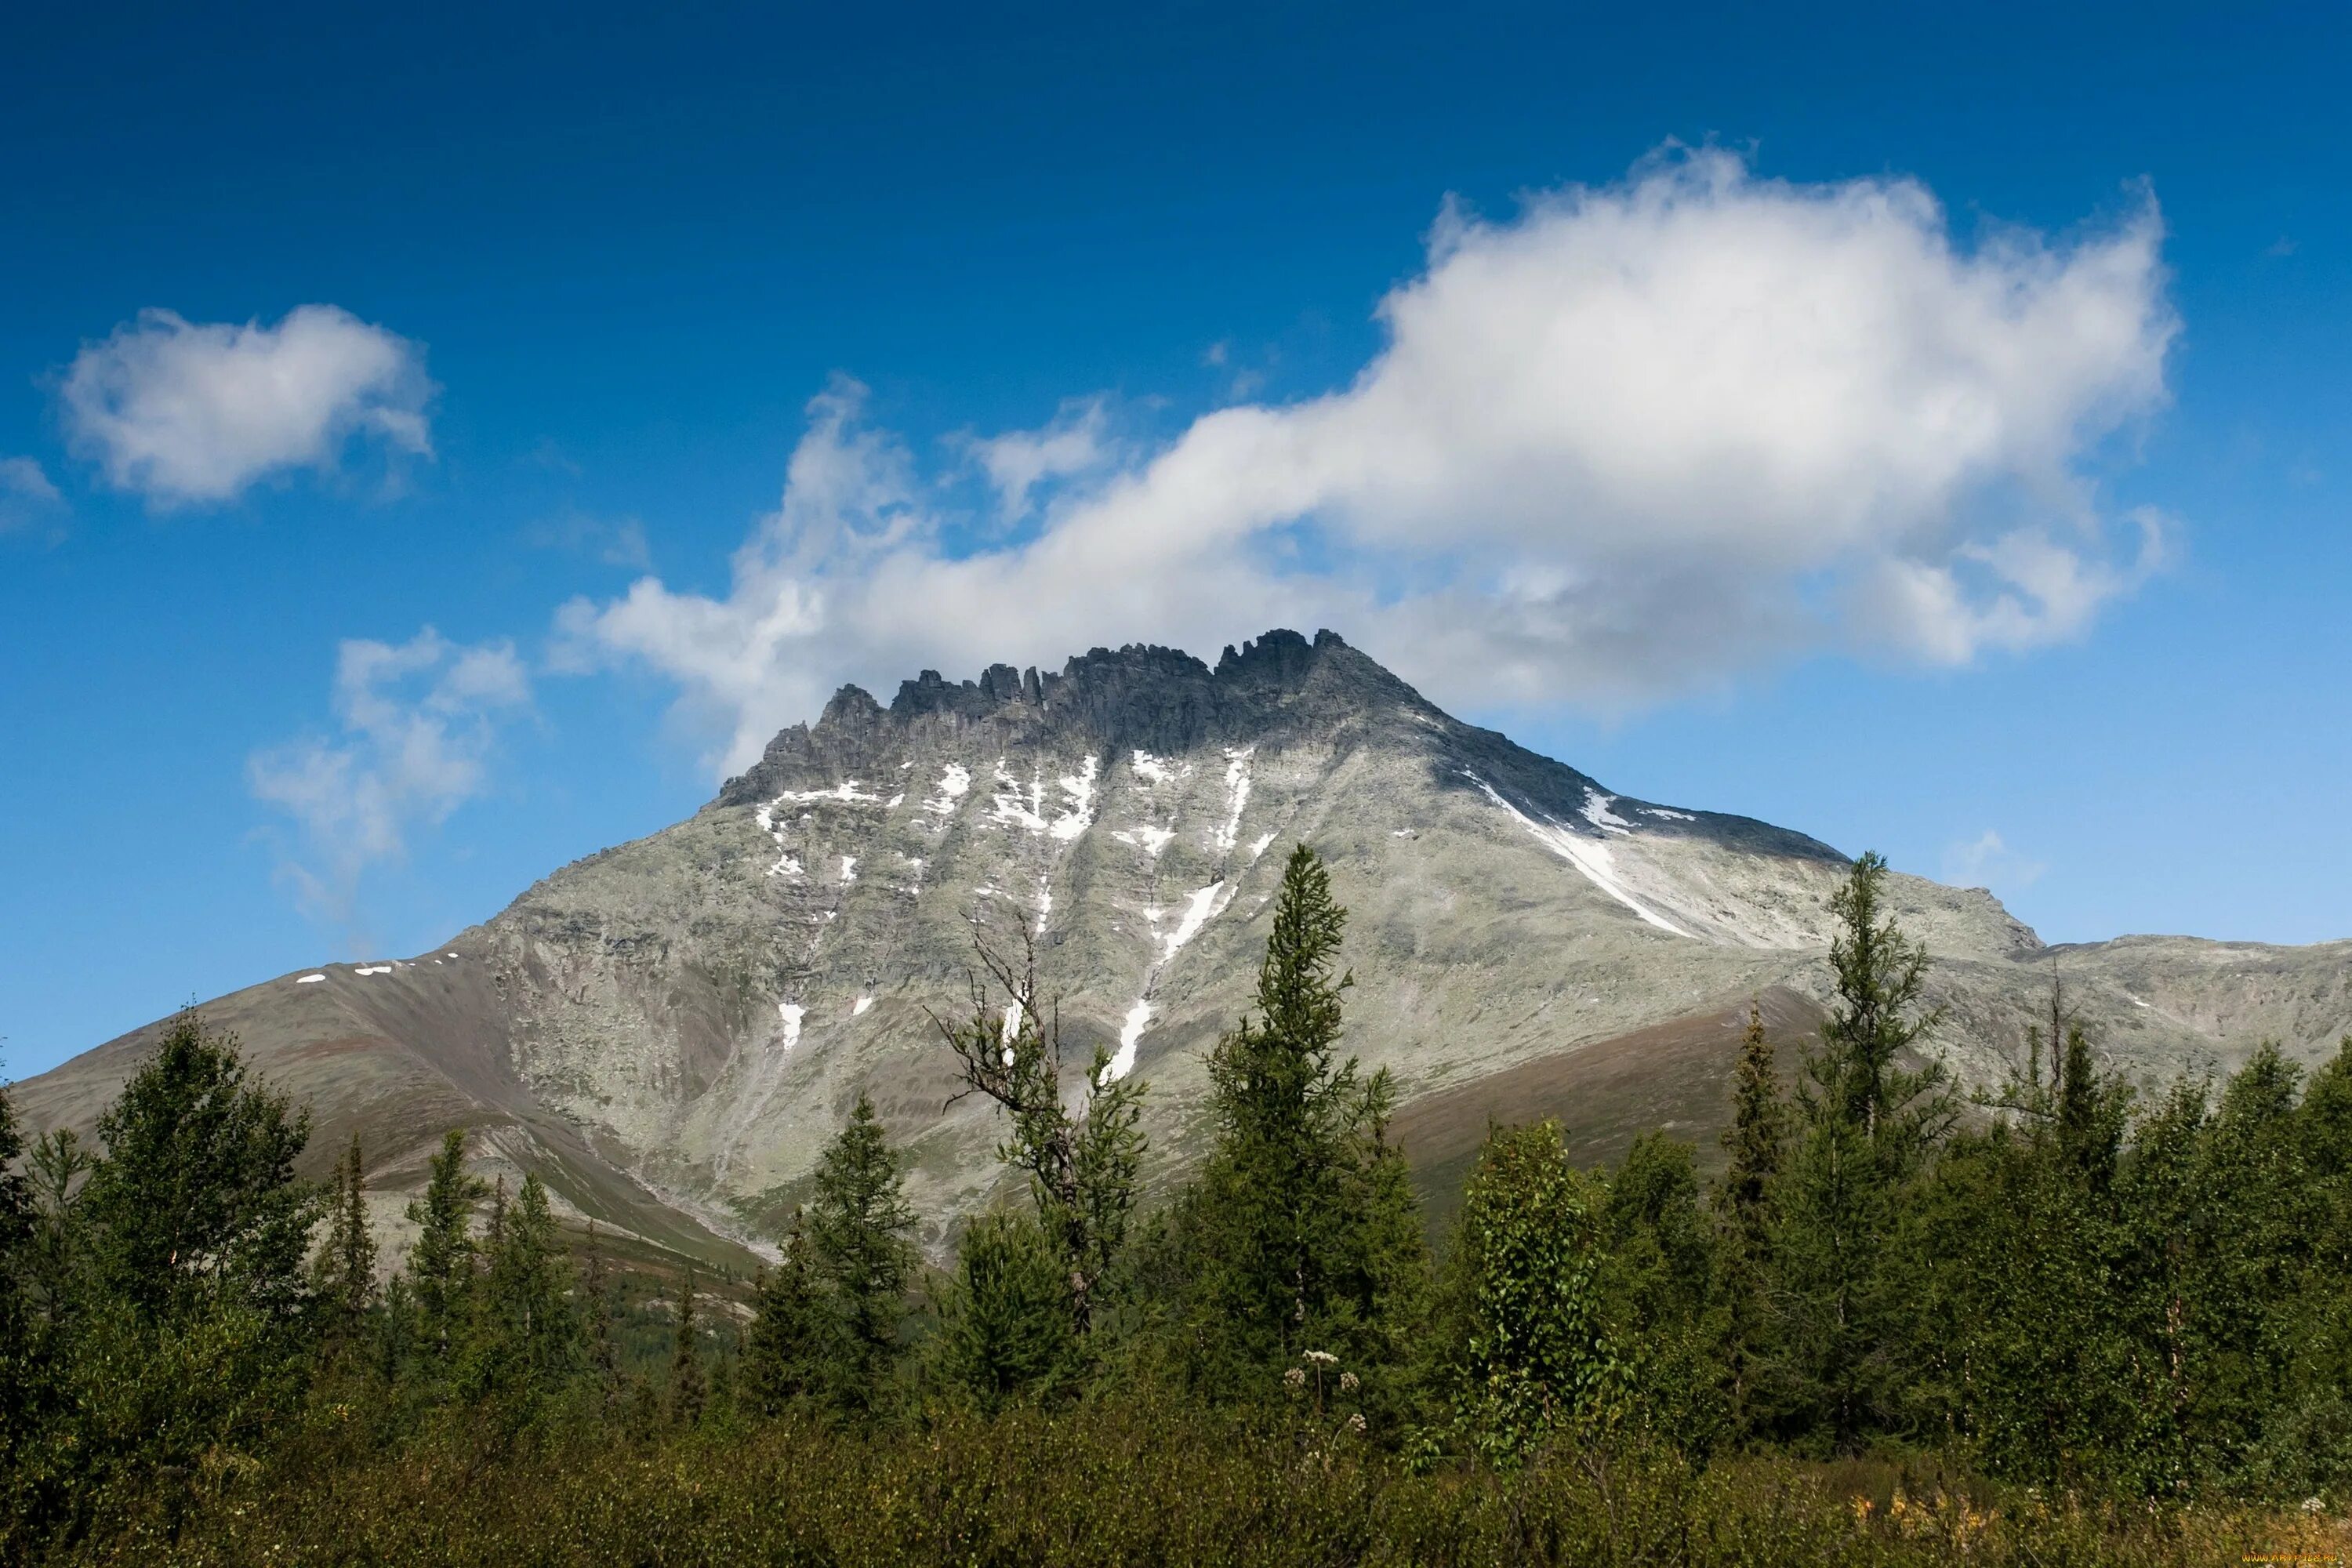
[672,1029]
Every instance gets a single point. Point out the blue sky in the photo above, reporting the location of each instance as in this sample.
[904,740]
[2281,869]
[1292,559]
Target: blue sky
[1933,429]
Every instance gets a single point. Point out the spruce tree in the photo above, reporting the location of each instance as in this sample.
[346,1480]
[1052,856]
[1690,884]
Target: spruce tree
[441,1264]
[525,1334]
[795,1350]
[1866,1121]
[1756,1143]
[1005,1334]
[1301,1232]
[687,1391]
[344,1273]
[16,1236]
[60,1247]
[858,1226]
[597,1347]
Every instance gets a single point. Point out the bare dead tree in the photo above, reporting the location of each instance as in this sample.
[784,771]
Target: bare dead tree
[1083,1161]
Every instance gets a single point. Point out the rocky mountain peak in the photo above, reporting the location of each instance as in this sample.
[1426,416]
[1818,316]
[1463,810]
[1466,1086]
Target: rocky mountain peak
[1141,695]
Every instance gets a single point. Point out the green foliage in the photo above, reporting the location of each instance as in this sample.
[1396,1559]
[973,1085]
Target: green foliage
[1523,1355]
[796,1353]
[1746,1203]
[524,1338]
[858,1236]
[441,1264]
[1301,1232]
[1663,1297]
[1005,1332]
[177,1311]
[343,1276]
[687,1393]
[1083,1166]
[1865,1123]
[2142,1305]
[1135,1482]
[194,1205]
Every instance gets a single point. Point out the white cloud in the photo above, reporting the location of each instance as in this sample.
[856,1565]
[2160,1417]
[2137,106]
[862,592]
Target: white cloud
[1017,462]
[1986,861]
[24,490]
[185,412]
[415,723]
[1637,439]
[22,479]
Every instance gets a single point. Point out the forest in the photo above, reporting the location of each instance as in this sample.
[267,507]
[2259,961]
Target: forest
[2069,1319]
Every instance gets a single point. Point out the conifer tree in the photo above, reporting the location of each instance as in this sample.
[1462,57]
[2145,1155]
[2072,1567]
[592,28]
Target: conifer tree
[16,1236]
[858,1227]
[1301,1231]
[1756,1142]
[795,1351]
[344,1274]
[441,1264]
[1866,1121]
[687,1391]
[525,1334]
[1005,1332]
[60,1247]
[597,1347]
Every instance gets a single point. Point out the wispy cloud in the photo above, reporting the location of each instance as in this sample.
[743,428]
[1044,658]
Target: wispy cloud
[610,542]
[185,412]
[1986,861]
[414,725]
[1637,439]
[1075,442]
[25,491]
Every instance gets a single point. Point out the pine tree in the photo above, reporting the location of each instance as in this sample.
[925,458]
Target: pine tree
[686,1392]
[858,1226]
[441,1264]
[795,1350]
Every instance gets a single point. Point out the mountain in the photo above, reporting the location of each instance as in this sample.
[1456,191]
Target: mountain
[669,1031]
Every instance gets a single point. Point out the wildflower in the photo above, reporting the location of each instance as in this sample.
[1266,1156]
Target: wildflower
[1356,1423]
[1347,1383]
[1296,1377]
[1322,1358]
[2312,1505]
[1862,1511]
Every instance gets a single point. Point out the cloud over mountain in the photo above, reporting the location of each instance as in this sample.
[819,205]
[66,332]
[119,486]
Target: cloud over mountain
[415,723]
[1637,438]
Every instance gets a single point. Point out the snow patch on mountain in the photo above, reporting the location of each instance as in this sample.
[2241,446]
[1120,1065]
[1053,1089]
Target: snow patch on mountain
[1592,858]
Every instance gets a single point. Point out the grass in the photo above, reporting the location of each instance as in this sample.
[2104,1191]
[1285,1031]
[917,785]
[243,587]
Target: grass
[1124,1484]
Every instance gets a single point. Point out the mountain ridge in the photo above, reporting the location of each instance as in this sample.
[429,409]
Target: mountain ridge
[670,1029]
